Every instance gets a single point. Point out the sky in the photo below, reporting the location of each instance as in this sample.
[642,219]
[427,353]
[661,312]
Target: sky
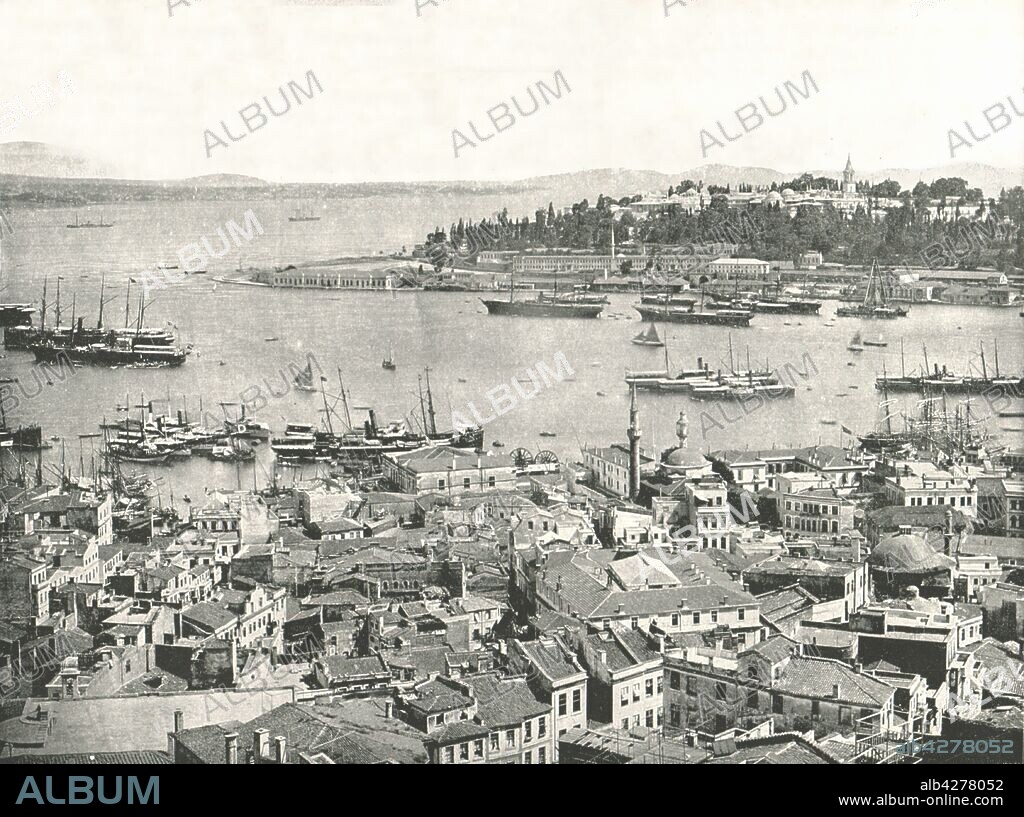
[644,78]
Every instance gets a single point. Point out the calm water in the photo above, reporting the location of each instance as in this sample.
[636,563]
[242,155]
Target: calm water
[449,332]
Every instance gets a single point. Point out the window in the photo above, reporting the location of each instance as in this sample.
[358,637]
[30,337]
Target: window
[463,751]
[478,748]
[696,618]
[649,718]
[714,616]
[777,704]
[577,700]
[449,754]
[815,709]
[495,741]
[673,714]
[542,726]
[466,482]
[636,692]
[691,685]
[624,696]
[673,680]
[625,724]
[542,755]
[528,731]
[660,683]
[440,483]
[741,614]
[528,758]
[675,619]
[649,687]
[563,704]
[510,738]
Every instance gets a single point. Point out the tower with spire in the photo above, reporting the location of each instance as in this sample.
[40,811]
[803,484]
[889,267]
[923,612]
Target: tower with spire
[849,183]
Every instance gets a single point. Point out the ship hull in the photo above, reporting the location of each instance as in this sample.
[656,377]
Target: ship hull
[681,316]
[538,309]
[104,357]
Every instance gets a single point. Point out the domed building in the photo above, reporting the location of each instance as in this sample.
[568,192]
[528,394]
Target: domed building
[678,463]
[905,560]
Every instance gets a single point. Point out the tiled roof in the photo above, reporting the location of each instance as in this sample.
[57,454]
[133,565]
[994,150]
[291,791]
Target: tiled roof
[338,666]
[208,614]
[551,659]
[459,731]
[140,758]
[439,695]
[818,677]
[505,702]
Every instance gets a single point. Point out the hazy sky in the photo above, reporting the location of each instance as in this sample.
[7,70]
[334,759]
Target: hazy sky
[893,77]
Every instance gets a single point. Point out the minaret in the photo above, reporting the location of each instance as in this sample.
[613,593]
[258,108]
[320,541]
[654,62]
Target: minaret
[634,445]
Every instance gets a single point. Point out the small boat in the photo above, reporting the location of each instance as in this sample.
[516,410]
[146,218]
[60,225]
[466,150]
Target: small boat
[600,394]
[879,342]
[649,337]
[462,380]
[548,434]
[271,339]
[165,266]
[828,422]
[498,444]
[855,344]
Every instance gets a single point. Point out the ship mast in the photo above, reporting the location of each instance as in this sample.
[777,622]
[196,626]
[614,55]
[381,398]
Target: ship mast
[423,411]
[995,343]
[430,402]
[344,399]
[984,372]
[42,317]
[127,303]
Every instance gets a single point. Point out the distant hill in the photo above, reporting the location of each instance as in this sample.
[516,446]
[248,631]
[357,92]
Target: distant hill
[36,173]
[220,180]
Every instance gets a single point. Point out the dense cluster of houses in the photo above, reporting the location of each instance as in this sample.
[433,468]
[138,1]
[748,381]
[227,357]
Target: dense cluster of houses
[816,604]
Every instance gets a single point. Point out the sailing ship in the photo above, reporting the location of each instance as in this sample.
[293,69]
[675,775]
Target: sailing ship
[876,300]
[553,306]
[649,337]
[856,343]
[134,347]
[303,380]
[936,378]
[303,442]
[87,224]
[389,362]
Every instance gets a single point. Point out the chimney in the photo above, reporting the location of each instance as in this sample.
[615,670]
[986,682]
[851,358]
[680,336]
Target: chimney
[388,710]
[280,749]
[179,720]
[231,748]
[260,745]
